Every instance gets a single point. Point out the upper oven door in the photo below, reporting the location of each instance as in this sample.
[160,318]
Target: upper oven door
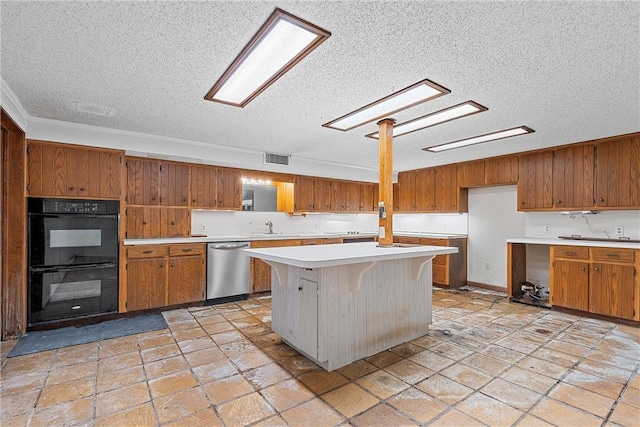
[71,239]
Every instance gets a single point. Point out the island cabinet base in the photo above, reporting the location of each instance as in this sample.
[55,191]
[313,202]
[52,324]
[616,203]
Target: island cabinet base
[339,314]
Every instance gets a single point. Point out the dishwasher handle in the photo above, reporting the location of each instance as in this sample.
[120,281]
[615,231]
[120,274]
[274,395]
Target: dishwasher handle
[227,246]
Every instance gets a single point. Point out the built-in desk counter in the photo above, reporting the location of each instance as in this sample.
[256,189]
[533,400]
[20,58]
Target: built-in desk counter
[339,303]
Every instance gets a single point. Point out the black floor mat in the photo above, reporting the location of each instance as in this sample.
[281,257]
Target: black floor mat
[34,342]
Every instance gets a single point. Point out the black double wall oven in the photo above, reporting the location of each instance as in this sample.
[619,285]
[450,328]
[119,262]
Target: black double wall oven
[73,259]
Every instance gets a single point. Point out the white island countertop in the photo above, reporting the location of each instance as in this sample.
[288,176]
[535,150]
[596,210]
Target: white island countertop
[344,254]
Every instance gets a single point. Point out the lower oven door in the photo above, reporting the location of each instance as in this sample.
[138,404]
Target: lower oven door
[64,293]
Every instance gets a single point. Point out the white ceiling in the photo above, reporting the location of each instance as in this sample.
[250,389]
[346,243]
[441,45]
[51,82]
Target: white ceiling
[571,71]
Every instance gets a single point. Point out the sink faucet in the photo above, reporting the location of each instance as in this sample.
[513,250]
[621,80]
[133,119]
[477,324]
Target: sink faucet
[270,224]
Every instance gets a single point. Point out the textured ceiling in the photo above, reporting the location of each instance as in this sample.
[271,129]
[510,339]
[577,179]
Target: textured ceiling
[568,70]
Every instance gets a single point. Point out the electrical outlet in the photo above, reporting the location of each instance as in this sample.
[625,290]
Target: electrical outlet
[444,226]
[203,227]
[487,266]
[619,231]
[317,227]
[547,229]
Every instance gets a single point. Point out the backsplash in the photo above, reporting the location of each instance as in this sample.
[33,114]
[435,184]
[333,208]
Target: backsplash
[601,225]
[239,222]
[454,223]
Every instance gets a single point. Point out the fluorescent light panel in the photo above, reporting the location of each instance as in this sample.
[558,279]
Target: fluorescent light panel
[507,133]
[415,94]
[281,42]
[456,112]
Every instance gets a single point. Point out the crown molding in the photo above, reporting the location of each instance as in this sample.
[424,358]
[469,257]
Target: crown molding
[12,106]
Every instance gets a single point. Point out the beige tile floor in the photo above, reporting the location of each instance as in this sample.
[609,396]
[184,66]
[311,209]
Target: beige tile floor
[484,362]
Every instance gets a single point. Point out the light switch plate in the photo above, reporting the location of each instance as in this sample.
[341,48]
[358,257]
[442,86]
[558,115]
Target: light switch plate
[619,231]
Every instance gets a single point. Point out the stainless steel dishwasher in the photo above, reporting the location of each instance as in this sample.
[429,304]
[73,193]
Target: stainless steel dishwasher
[227,271]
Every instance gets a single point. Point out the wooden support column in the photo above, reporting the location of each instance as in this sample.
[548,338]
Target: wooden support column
[385,234]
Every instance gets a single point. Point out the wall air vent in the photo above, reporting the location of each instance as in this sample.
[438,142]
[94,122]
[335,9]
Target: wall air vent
[277,159]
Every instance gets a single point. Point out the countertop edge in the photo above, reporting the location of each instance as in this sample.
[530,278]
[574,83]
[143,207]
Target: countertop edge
[567,242]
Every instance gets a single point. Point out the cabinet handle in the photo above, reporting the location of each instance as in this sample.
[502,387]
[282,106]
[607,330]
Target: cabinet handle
[299,288]
[582,268]
[596,268]
[601,199]
[173,223]
[173,264]
[558,201]
[162,265]
[187,249]
[71,188]
[193,200]
[144,222]
[148,251]
[82,189]
[571,253]
[613,255]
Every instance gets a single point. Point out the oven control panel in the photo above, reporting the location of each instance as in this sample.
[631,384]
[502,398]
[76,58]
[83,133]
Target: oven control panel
[52,206]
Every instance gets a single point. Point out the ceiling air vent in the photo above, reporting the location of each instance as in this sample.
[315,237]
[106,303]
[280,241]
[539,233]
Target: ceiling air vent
[276,159]
[95,109]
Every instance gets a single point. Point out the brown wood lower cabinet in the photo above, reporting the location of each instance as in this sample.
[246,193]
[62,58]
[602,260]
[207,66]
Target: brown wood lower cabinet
[595,279]
[448,270]
[163,275]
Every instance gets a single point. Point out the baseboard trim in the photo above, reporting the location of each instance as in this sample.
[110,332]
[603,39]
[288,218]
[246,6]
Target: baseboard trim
[486,286]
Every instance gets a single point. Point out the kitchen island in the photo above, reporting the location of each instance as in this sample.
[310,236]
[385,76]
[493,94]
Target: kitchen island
[339,303]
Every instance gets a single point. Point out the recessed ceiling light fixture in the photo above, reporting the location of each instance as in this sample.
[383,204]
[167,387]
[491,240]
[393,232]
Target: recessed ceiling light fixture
[507,133]
[415,94]
[281,42]
[457,111]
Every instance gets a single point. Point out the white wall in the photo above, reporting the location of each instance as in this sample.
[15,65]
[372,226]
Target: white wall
[493,219]
[598,225]
[430,223]
[239,222]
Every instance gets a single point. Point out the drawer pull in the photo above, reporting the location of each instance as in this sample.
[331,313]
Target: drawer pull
[187,249]
[82,189]
[173,223]
[582,268]
[162,265]
[571,253]
[173,264]
[596,268]
[299,288]
[613,255]
[148,251]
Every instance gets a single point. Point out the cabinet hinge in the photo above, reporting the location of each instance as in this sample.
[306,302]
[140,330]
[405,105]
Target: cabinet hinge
[120,158]
[126,211]
[126,305]
[28,150]
[126,164]
[160,168]
[28,187]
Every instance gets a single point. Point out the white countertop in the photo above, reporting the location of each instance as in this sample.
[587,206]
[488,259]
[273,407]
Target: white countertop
[281,236]
[346,253]
[567,242]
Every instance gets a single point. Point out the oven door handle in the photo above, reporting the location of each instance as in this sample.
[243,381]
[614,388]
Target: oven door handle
[61,269]
[74,215]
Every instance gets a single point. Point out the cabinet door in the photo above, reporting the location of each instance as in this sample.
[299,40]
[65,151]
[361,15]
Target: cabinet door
[322,195]
[175,222]
[446,188]
[143,222]
[618,173]
[396,197]
[174,184]
[425,190]
[611,290]
[229,189]
[573,177]
[471,174]
[407,191]
[204,183]
[142,182]
[303,194]
[47,170]
[535,181]
[109,179]
[569,285]
[186,279]
[366,197]
[501,170]
[83,173]
[339,200]
[305,309]
[146,283]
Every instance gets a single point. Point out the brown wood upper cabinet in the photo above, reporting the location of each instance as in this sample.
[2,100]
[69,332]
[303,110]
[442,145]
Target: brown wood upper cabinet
[213,187]
[573,177]
[446,190]
[174,184]
[617,182]
[148,222]
[346,196]
[56,170]
[143,182]
[430,190]
[229,189]
[407,191]
[494,171]
[303,194]
[322,195]
[535,181]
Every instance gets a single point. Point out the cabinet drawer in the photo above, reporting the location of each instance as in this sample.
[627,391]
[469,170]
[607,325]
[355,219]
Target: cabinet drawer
[573,252]
[440,260]
[408,240]
[188,249]
[434,242]
[440,274]
[147,251]
[612,254]
[309,274]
